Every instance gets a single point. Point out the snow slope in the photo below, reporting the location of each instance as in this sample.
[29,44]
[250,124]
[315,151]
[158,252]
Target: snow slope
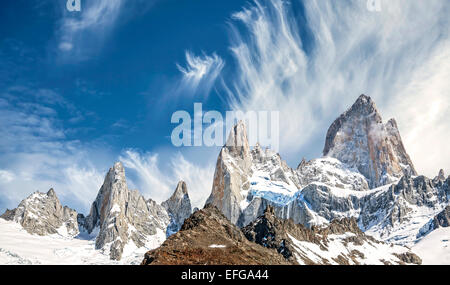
[435,247]
[339,248]
[19,247]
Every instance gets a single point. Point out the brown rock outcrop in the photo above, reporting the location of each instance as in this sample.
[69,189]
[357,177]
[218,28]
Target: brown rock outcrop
[208,237]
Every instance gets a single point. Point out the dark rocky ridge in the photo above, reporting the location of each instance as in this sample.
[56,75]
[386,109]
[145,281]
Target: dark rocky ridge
[272,232]
[207,237]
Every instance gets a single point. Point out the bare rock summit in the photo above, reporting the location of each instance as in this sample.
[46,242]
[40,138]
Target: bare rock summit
[178,207]
[361,140]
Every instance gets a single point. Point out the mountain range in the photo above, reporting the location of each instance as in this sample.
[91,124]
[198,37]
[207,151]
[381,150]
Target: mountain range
[362,202]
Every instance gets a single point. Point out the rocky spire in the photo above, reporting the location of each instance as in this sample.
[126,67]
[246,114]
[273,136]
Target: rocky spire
[43,214]
[113,185]
[237,144]
[233,168]
[359,139]
[123,216]
[51,193]
[441,174]
[301,164]
[178,206]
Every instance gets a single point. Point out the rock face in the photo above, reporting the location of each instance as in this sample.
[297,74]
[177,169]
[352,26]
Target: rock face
[239,173]
[122,216]
[442,219]
[271,232]
[43,214]
[231,175]
[208,237]
[246,181]
[359,139]
[178,206]
[341,242]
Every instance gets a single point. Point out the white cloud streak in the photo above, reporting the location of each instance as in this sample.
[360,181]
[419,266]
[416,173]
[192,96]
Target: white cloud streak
[149,179]
[399,56]
[200,73]
[80,31]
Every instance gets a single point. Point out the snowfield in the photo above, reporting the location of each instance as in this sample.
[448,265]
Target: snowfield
[367,253]
[17,246]
[434,249]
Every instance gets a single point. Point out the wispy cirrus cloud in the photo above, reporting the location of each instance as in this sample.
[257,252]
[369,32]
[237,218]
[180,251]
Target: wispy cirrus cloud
[80,32]
[312,69]
[150,180]
[37,154]
[200,73]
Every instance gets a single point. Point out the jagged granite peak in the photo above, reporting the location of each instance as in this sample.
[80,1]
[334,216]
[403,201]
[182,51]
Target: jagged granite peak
[207,237]
[341,242]
[322,190]
[240,169]
[43,214]
[122,216]
[242,183]
[237,142]
[178,206]
[233,168]
[114,183]
[359,139]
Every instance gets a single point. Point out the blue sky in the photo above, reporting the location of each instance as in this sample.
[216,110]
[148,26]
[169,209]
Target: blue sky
[81,90]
